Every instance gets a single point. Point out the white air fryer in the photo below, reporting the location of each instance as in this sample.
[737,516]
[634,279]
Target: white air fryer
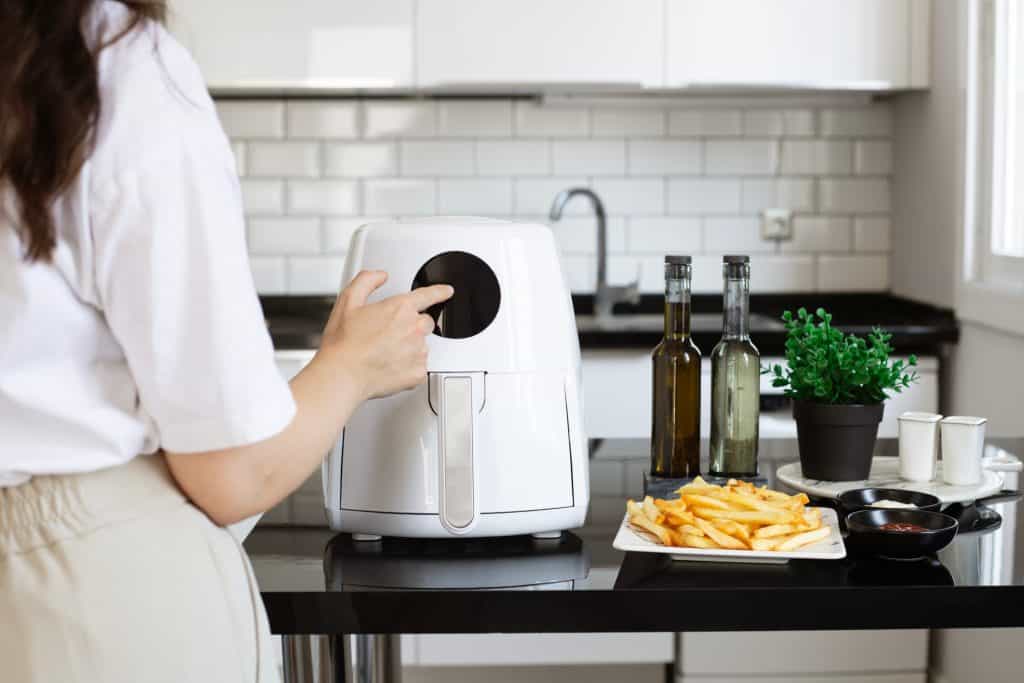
[492,444]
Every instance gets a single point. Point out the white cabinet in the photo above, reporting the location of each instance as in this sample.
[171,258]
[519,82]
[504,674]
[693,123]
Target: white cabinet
[861,44]
[617,397]
[344,44]
[535,42]
[537,649]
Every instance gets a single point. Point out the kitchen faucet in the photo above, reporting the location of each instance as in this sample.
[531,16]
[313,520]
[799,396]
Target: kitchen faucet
[605,296]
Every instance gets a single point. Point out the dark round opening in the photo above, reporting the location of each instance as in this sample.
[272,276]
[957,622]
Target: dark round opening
[477,294]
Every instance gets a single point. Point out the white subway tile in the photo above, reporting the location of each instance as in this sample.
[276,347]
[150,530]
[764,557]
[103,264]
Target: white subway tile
[707,275]
[251,118]
[284,159]
[400,197]
[854,195]
[664,157]
[819,233]
[873,157]
[338,232]
[649,271]
[789,273]
[238,151]
[323,119]
[734,234]
[622,121]
[430,158]
[589,157]
[813,157]
[315,274]
[580,273]
[579,235]
[472,119]
[268,274]
[873,121]
[534,196]
[361,159]
[284,235]
[475,197]
[262,196]
[740,157]
[703,196]
[778,193]
[705,122]
[606,477]
[853,273]
[323,197]
[538,120]
[513,157]
[631,196]
[665,235]
[799,122]
[386,119]
[871,234]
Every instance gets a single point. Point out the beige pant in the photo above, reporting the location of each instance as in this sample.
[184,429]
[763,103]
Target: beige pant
[113,576]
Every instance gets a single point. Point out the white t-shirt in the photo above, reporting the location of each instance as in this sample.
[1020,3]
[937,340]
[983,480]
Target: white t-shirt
[145,331]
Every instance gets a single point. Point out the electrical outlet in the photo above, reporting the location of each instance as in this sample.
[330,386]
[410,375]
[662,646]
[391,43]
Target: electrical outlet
[777,225]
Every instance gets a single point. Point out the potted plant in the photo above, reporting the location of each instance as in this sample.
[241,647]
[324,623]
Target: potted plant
[839,383]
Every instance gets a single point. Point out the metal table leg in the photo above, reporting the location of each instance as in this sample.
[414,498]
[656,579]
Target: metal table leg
[360,658]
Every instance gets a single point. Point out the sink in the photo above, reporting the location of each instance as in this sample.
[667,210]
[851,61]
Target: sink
[654,323]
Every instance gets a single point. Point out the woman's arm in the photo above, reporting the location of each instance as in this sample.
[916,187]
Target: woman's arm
[368,350]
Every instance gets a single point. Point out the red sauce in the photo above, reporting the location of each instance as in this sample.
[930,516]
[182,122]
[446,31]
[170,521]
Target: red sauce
[903,526]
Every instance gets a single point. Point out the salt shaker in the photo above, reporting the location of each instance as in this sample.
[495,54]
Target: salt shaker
[919,445]
[963,442]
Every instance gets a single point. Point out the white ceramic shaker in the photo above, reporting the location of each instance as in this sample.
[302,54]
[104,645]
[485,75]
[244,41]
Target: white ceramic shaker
[963,442]
[919,445]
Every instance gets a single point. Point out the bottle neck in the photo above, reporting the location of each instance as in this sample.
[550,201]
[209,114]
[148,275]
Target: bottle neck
[677,308]
[736,308]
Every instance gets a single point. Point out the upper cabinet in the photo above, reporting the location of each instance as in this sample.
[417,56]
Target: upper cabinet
[833,44]
[465,43]
[301,44]
[555,45]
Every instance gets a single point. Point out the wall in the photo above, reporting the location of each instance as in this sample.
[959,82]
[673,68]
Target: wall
[674,177]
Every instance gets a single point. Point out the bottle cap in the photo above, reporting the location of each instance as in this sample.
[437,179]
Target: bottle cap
[736,258]
[676,260]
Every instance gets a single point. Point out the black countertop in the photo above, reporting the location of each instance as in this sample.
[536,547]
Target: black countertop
[295,322]
[314,581]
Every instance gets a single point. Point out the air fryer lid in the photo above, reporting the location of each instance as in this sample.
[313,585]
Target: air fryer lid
[477,293]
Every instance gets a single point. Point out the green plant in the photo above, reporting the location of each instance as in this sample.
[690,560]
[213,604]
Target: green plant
[827,366]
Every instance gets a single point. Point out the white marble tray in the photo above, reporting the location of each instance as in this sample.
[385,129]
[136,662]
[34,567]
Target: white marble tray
[885,474]
[830,548]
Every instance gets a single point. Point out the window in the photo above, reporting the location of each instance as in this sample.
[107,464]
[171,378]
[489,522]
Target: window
[994,197]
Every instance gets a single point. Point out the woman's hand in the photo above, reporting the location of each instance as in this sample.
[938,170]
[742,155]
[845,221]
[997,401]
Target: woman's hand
[381,347]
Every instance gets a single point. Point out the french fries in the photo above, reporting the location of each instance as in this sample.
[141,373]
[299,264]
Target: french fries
[737,516]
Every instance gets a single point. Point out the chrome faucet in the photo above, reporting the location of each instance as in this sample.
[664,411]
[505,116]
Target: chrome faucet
[605,296]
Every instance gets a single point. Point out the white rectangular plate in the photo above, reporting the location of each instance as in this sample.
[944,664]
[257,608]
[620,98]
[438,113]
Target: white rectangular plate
[831,548]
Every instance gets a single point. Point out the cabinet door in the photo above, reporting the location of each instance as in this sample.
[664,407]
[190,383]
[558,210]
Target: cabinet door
[522,649]
[498,42]
[342,44]
[863,44]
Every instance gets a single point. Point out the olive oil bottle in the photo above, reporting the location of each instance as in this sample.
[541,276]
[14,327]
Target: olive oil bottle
[735,379]
[675,429]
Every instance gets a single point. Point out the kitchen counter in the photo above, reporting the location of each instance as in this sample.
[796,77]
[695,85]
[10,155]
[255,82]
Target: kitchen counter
[314,581]
[295,322]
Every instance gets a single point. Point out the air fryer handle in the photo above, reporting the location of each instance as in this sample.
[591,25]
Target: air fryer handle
[457,396]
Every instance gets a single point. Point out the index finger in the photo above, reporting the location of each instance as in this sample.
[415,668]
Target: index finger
[425,297]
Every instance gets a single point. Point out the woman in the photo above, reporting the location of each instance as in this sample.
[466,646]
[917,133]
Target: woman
[140,409]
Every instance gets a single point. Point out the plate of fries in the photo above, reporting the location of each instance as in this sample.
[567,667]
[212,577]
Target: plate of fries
[737,522]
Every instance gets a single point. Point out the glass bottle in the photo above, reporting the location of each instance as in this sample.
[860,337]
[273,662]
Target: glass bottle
[675,428]
[735,379]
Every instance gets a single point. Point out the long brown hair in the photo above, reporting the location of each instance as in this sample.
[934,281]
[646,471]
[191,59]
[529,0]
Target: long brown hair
[49,104]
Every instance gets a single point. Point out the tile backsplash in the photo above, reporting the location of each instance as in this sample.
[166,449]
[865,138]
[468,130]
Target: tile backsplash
[673,177]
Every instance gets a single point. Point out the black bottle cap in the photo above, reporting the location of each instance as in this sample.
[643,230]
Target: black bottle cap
[675,260]
[736,258]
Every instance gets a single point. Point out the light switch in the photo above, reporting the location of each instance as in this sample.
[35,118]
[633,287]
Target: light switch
[777,224]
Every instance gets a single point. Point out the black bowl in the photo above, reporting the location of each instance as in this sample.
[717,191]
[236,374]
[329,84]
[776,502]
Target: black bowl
[867,536]
[861,499]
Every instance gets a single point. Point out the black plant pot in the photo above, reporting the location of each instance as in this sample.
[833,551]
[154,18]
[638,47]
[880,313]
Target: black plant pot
[836,441]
